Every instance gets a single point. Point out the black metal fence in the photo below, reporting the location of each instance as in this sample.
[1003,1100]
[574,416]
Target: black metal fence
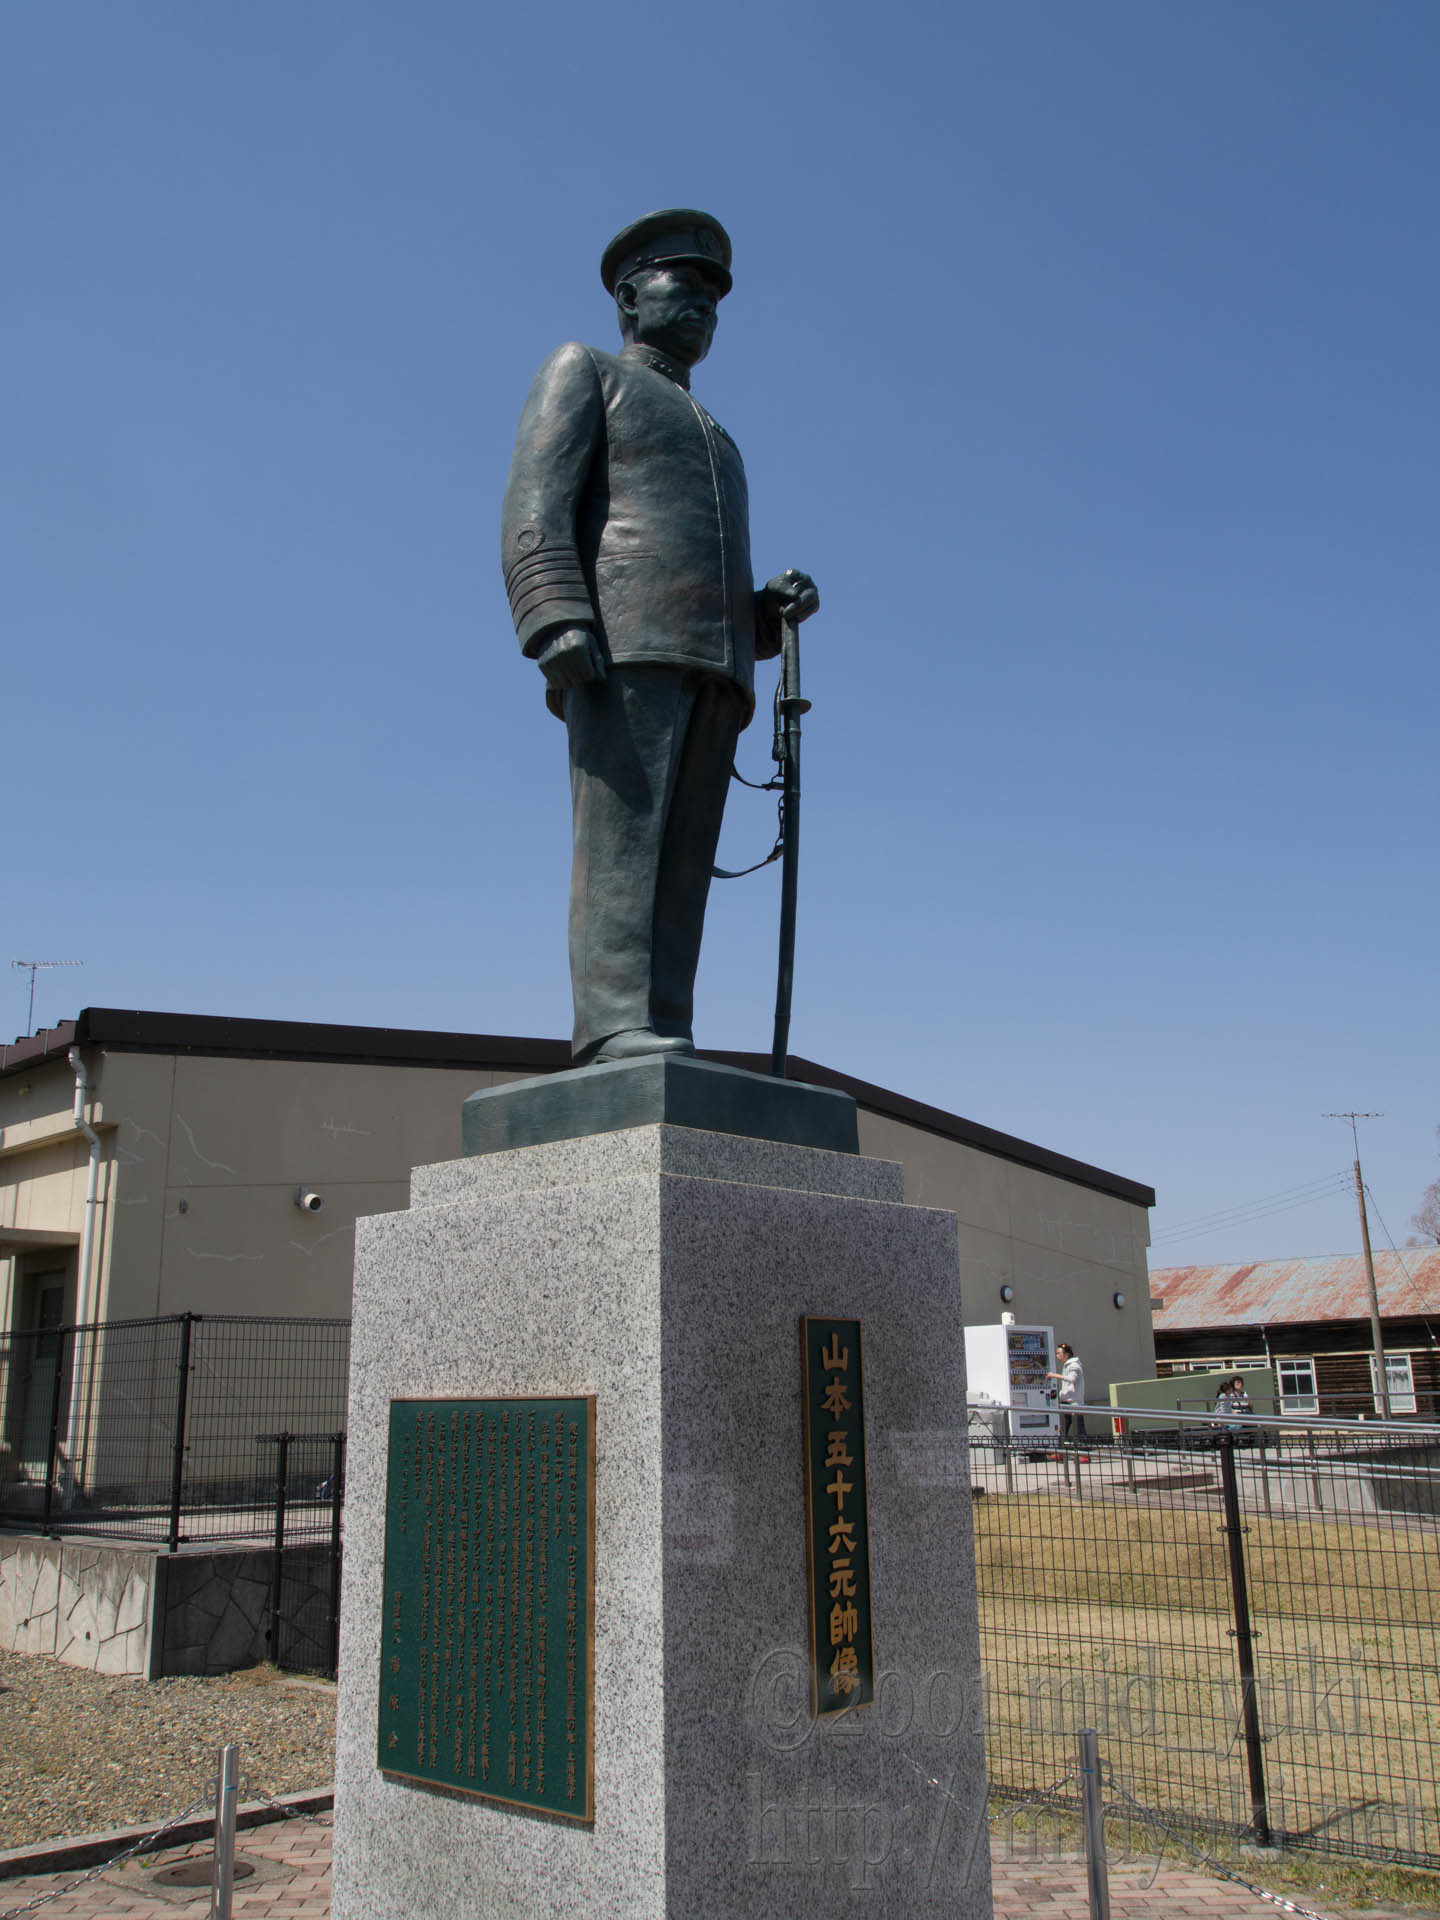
[190,1428]
[304,1628]
[1249,1615]
[1422,1403]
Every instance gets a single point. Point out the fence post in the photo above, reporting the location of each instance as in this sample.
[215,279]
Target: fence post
[282,1473]
[177,1463]
[337,1470]
[1244,1642]
[52,1450]
[227,1791]
[1314,1468]
[1096,1876]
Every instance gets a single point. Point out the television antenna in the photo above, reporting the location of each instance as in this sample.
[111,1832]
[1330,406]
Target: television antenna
[33,967]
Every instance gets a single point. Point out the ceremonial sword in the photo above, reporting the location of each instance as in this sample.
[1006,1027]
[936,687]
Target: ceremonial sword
[789,705]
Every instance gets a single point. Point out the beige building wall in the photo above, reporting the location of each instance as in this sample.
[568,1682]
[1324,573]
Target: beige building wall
[1064,1249]
[43,1176]
[212,1152]
[203,1157]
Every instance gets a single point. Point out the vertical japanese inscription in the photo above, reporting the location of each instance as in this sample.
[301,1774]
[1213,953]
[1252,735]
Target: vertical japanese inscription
[487,1661]
[842,1664]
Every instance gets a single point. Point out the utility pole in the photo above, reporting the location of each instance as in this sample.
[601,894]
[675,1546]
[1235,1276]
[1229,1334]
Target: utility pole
[1377,1337]
[33,967]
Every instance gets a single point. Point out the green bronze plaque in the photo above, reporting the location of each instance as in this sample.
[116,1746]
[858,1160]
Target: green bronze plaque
[487,1669]
[842,1660]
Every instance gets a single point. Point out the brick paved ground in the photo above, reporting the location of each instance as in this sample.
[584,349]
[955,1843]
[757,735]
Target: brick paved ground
[1058,1892]
[292,1882]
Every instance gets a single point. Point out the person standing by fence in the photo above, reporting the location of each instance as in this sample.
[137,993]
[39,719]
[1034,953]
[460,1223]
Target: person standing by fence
[1072,1392]
[1232,1398]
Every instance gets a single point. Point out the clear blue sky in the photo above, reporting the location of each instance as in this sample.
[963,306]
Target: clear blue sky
[1085,354]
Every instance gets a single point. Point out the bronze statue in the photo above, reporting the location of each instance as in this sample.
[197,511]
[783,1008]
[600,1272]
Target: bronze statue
[626,546]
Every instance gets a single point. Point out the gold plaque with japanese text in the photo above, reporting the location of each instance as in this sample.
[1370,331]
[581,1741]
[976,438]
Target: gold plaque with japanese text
[842,1661]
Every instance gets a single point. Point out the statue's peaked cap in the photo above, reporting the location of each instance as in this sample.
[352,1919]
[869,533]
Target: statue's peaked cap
[675,233]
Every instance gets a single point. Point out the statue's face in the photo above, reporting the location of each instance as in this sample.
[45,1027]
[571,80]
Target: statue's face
[672,308]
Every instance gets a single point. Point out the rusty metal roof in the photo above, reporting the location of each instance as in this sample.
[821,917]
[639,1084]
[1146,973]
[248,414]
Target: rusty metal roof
[1287,1292]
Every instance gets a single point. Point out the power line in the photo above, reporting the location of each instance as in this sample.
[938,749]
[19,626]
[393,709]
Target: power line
[1409,1277]
[1260,1200]
[1243,1211]
[1234,1226]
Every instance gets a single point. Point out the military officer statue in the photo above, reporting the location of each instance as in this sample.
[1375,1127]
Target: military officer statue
[626,548]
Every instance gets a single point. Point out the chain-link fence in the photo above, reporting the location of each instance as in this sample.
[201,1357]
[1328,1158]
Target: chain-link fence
[167,1429]
[1249,1615]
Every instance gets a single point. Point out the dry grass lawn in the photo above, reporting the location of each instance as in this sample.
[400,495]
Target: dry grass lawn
[1103,1613]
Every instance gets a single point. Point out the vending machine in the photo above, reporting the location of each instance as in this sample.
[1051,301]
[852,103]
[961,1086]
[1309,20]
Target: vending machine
[1006,1365]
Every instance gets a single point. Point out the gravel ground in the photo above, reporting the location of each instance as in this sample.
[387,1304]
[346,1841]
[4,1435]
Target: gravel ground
[79,1751]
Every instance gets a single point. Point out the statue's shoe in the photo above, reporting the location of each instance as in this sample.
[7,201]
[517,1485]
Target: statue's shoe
[636,1042]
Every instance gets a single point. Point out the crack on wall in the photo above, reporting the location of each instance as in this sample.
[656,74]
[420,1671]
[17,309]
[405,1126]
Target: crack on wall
[218,1166]
[126,1156]
[300,1246]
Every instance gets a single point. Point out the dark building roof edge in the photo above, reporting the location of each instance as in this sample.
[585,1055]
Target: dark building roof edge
[133,1030]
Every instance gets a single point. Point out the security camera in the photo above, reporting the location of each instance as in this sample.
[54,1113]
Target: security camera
[307,1200]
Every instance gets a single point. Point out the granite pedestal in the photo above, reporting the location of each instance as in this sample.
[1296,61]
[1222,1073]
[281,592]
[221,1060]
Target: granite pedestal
[665,1270]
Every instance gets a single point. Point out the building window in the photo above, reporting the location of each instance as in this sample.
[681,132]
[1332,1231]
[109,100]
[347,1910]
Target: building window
[1297,1386]
[1399,1382]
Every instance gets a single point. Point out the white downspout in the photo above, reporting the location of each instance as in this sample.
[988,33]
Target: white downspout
[83,1303]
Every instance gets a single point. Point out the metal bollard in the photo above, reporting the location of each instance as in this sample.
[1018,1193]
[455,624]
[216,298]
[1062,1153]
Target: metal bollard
[1096,1876]
[227,1788]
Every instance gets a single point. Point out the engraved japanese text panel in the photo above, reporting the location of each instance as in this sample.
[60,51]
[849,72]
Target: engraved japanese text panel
[486,1661]
[837,1516]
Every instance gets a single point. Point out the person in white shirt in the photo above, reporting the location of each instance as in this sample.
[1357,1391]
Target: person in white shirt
[1072,1392]
[1232,1398]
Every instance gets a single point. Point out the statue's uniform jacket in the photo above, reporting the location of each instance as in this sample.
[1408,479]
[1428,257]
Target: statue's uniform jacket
[627,511]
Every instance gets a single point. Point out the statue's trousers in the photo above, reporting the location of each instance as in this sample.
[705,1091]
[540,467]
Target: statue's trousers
[650,755]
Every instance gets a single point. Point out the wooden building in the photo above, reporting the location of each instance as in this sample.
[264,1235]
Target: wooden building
[1310,1321]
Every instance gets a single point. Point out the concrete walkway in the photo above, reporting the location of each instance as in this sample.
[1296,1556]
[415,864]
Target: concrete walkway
[292,1882]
